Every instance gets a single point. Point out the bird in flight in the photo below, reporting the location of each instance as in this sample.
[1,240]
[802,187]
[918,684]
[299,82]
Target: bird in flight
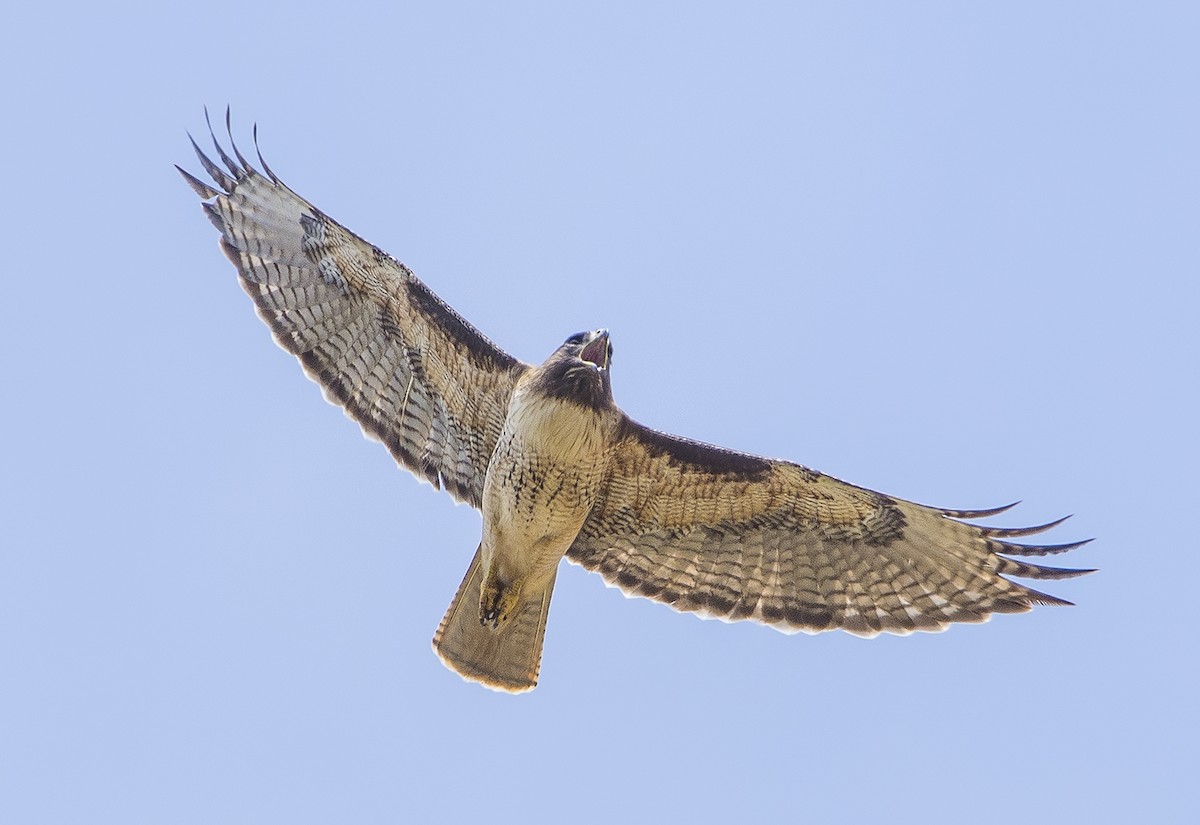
[558,470]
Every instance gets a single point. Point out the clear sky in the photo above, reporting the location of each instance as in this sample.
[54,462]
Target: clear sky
[944,250]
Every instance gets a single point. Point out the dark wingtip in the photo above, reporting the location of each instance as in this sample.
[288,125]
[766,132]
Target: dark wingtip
[972,514]
[1012,567]
[1014,532]
[235,170]
[215,172]
[1038,549]
[262,162]
[1030,597]
[245,164]
[200,187]
[1053,601]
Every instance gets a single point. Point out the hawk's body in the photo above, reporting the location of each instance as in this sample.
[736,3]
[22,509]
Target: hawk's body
[543,480]
[557,469]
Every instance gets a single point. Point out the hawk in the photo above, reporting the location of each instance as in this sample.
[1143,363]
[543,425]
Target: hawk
[558,470]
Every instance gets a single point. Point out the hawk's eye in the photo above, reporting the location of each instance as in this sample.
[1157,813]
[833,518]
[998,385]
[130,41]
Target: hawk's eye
[577,338]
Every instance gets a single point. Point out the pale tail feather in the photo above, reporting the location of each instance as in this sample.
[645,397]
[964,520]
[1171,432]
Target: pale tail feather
[507,658]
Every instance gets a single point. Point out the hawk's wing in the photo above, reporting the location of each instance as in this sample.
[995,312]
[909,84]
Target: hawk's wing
[735,536]
[402,363]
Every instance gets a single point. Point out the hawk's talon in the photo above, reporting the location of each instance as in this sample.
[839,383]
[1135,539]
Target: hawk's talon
[496,603]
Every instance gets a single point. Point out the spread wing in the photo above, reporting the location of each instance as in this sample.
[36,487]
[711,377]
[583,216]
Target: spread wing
[735,536]
[402,363]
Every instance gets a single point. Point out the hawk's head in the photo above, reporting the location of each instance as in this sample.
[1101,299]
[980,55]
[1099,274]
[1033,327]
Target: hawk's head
[578,371]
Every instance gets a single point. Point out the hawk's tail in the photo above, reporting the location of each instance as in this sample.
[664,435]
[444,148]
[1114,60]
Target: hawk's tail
[506,658]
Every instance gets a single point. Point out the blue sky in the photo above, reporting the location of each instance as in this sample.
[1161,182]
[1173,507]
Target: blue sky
[944,250]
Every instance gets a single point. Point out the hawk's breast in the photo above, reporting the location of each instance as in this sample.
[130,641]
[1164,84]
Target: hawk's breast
[544,477]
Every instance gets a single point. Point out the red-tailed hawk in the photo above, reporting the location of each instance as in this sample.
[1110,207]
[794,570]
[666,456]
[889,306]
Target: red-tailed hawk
[558,470]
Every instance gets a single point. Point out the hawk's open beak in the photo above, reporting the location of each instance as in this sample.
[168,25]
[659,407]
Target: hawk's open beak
[596,350]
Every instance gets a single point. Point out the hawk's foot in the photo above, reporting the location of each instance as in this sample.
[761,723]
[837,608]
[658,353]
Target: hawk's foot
[497,603]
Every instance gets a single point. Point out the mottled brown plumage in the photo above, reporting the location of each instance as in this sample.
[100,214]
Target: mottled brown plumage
[557,469]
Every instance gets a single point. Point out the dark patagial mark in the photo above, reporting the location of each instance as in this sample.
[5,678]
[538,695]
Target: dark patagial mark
[684,451]
[443,316]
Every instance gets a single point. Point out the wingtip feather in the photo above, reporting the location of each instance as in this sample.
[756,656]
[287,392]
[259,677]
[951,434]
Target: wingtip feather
[1014,532]
[215,172]
[974,514]
[201,188]
[245,164]
[1012,567]
[235,170]
[1037,549]
[262,162]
